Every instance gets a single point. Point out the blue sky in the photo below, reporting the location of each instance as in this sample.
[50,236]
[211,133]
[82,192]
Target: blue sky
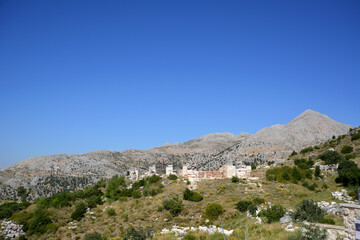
[78,76]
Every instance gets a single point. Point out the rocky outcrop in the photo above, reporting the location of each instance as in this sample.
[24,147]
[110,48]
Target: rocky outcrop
[10,230]
[47,175]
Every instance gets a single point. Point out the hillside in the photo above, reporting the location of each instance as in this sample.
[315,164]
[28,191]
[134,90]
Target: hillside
[47,175]
[138,207]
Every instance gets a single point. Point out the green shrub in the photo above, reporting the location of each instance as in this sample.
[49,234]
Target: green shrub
[79,212]
[349,156]
[213,211]
[136,185]
[189,236]
[153,179]
[151,191]
[306,150]
[349,177]
[327,220]
[293,154]
[253,167]
[313,232]
[308,210]
[258,201]
[93,236]
[303,163]
[273,213]
[172,177]
[110,212]
[192,195]
[93,201]
[331,157]
[113,185]
[7,209]
[296,175]
[137,234]
[317,171]
[243,205]
[355,136]
[174,205]
[347,149]
[136,194]
[235,179]
[252,209]
[347,164]
[40,222]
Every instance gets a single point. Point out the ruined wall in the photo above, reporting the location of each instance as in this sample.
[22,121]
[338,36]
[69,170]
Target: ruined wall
[351,212]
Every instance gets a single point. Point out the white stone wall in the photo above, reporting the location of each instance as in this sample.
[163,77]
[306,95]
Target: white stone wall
[169,170]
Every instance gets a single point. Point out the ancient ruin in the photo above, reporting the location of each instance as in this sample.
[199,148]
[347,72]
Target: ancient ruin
[226,171]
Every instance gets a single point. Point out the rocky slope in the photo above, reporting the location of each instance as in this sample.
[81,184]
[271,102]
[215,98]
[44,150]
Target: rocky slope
[49,174]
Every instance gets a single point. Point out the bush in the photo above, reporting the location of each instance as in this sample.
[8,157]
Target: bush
[136,194]
[258,201]
[349,156]
[7,209]
[303,163]
[174,205]
[308,210]
[93,201]
[349,177]
[172,177]
[140,234]
[355,136]
[235,179]
[79,212]
[317,171]
[347,164]
[189,236]
[93,236]
[213,211]
[153,179]
[306,150]
[151,191]
[314,233]
[347,149]
[253,167]
[192,196]
[112,190]
[40,222]
[327,220]
[293,154]
[243,205]
[331,157]
[273,214]
[110,212]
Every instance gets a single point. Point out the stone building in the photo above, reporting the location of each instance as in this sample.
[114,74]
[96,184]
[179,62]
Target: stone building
[169,170]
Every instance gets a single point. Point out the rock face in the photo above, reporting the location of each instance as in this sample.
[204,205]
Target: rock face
[10,230]
[50,174]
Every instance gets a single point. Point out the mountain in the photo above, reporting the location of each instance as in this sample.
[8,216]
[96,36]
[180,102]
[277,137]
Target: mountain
[47,175]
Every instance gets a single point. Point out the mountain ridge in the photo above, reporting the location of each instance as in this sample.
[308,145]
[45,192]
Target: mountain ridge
[208,152]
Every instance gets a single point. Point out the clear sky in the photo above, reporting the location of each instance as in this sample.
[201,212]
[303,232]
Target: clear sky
[79,76]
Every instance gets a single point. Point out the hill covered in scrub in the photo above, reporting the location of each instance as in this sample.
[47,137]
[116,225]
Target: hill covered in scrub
[120,208]
[48,175]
